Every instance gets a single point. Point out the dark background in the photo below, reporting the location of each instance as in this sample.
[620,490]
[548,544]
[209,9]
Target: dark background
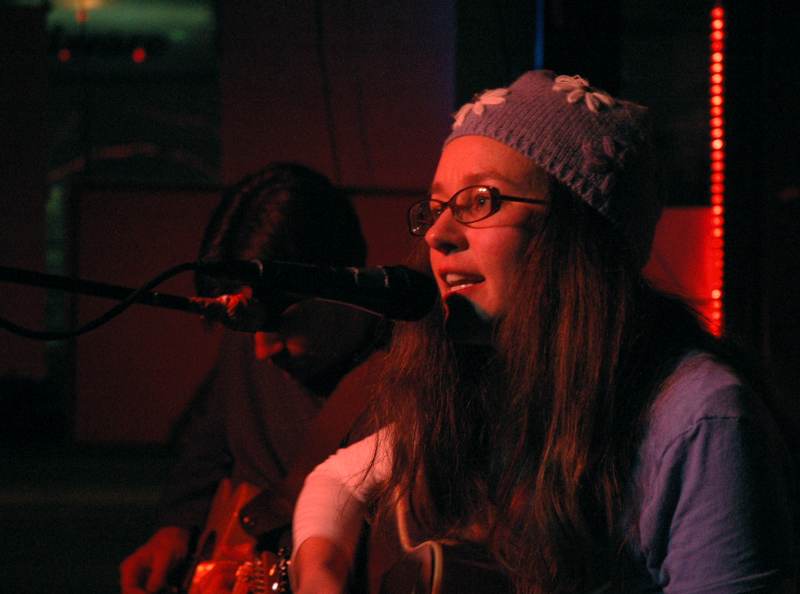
[110,167]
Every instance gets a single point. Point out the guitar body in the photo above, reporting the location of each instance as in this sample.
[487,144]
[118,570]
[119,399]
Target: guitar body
[226,554]
[442,568]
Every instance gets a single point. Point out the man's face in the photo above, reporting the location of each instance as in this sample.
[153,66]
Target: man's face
[310,334]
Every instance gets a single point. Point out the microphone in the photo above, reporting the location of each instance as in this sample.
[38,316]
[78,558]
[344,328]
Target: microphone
[395,292]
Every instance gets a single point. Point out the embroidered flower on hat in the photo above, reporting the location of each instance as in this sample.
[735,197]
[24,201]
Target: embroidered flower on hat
[602,157]
[578,88]
[605,158]
[479,103]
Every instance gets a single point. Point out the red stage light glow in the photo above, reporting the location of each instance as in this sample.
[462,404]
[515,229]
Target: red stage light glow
[139,55]
[717,167]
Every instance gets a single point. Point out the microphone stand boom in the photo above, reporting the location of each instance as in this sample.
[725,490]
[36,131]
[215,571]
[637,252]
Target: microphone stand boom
[97,289]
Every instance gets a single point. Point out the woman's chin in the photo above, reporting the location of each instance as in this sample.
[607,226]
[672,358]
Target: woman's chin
[466,322]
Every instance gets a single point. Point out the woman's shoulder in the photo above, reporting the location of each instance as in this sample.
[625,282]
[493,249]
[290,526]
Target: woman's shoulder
[714,484]
[701,390]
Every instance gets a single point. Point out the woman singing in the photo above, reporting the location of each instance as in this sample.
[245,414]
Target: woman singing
[580,426]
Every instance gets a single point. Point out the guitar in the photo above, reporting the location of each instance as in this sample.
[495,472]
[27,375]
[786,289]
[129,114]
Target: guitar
[451,568]
[266,573]
[435,567]
[226,553]
[440,566]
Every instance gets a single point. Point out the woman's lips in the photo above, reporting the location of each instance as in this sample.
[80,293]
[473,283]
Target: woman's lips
[455,282]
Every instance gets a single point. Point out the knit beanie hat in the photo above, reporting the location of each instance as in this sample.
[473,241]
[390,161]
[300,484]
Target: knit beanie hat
[595,145]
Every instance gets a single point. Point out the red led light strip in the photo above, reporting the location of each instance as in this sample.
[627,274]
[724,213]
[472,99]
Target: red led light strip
[717,172]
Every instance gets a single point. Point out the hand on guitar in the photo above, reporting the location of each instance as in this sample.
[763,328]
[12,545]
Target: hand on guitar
[218,577]
[320,566]
[146,569]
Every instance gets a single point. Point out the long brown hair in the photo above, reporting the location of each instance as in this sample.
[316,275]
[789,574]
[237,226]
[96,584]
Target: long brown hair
[533,438]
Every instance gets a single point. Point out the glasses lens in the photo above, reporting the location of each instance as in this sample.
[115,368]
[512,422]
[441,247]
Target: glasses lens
[472,204]
[422,215]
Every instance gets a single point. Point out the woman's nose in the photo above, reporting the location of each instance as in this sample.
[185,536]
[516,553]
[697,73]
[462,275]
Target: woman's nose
[446,234]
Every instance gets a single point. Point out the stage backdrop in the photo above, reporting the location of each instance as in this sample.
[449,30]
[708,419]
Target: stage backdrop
[134,375]
[23,161]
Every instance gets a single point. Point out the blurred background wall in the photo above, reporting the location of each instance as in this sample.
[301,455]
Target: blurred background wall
[120,120]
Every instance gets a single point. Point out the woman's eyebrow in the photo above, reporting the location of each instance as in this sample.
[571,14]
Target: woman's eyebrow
[487,174]
[478,178]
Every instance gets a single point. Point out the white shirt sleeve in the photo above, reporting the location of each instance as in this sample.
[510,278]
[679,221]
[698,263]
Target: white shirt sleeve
[333,500]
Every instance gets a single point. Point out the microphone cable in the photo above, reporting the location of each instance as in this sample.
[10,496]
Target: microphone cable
[134,297]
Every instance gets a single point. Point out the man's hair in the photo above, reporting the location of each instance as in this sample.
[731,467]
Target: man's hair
[286,212]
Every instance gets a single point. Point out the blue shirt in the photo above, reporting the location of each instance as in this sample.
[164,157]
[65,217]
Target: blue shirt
[711,489]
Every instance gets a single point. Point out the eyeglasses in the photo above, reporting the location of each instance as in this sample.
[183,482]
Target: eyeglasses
[468,205]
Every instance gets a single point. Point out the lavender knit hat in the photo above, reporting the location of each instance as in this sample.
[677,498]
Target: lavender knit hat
[594,144]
